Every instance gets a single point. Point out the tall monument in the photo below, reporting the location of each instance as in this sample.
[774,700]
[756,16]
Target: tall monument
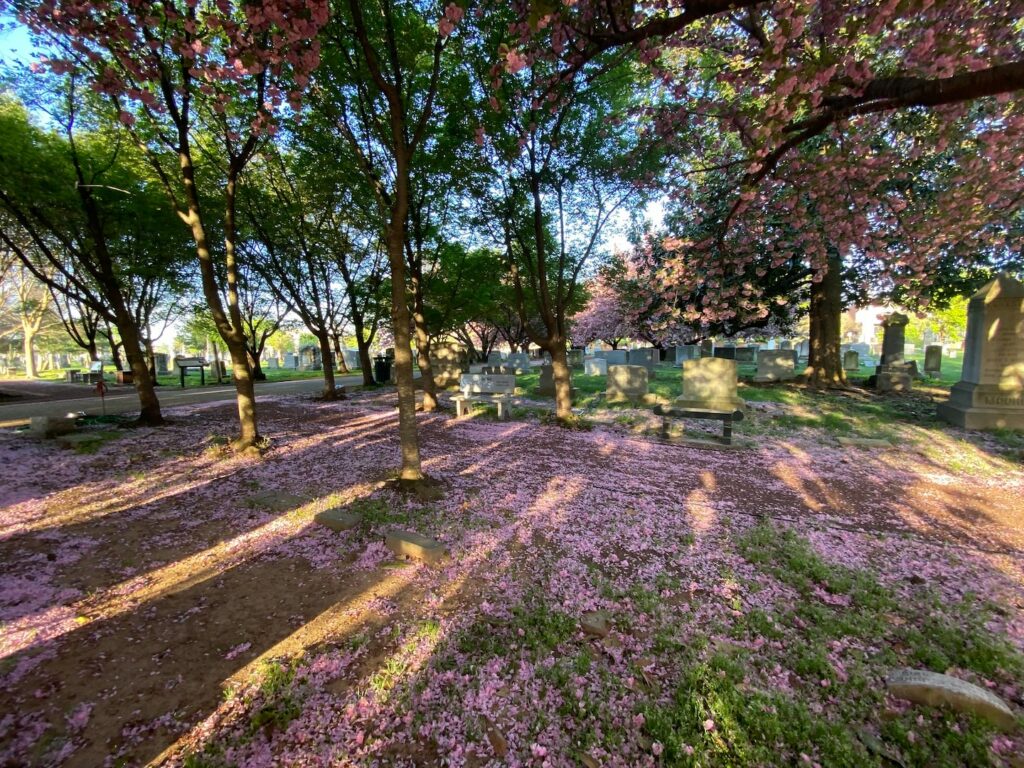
[990,393]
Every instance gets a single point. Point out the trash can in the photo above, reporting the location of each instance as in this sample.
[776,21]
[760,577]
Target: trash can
[382,369]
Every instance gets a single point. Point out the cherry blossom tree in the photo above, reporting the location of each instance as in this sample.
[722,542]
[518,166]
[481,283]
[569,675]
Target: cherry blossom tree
[816,113]
[603,318]
[194,80]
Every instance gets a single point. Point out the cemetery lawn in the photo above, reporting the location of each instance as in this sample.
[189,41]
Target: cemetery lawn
[610,599]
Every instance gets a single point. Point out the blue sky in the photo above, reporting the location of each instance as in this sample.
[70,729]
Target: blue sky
[15,43]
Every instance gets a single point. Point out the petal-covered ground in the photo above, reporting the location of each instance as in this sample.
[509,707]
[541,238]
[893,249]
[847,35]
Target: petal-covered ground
[163,601]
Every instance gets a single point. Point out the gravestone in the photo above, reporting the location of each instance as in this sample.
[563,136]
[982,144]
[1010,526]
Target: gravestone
[933,689]
[546,387]
[894,327]
[494,358]
[162,361]
[626,382]
[707,348]
[272,363]
[496,370]
[710,383]
[309,358]
[616,356]
[851,360]
[786,344]
[933,360]
[575,358]
[338,519]
[725,353]
[685,352]
[898,377]
[909,349]
[51,426]
[647,357]
[448,362]
[595,366]
[775,365]
[290,360]
[413,545]
[893,374]
[351,358]
[745,354]
[990,393]
[520,361]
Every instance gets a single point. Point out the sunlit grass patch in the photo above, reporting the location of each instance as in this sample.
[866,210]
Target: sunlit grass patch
[803,682]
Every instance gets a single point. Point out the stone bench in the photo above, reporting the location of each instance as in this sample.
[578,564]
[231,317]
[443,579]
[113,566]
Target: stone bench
[485,388]
[725,416]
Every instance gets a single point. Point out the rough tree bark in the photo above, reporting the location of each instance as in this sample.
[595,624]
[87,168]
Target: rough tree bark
[327,361]
[563,386]
[229,324]
[407,433]
[29,351]
[824,362]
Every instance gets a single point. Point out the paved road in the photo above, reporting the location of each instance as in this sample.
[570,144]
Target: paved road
[124,400]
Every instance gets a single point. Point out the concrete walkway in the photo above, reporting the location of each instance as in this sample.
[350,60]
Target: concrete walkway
[41,398]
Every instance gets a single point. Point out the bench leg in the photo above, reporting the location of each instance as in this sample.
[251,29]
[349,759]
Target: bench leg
[727,432]
[502,410]
[460,408]
[664,428]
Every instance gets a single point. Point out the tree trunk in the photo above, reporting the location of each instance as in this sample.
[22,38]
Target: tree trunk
[824,362]
[422,339]
[216,362]
[150,359]
[149,405]
[257,367]
[339,355]
[563,387]
[245,393]
[93,350]
[115,350]
[407,432]
[426,368]
[365,363]
[30,352]
[327,360]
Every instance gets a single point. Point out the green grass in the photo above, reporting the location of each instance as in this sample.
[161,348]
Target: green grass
[537,629]
[833,413]
[381,513]
[757,724]
[92,442]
